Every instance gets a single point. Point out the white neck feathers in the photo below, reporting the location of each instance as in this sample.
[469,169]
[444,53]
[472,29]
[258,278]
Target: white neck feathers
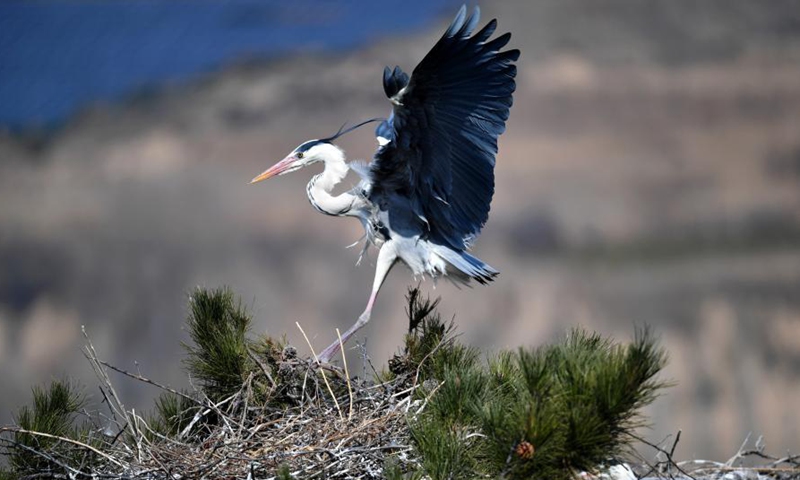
[320,187]
[335,167]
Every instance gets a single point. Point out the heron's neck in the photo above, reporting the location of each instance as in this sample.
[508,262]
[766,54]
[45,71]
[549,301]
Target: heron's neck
[320,187]
[335,171]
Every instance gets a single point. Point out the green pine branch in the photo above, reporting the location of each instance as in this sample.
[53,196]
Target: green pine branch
[52,412]
[218,358]
[535,413]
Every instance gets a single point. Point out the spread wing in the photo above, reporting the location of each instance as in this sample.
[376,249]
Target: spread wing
[441,139]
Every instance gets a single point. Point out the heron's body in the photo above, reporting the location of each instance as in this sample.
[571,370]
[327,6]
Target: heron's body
[426,195]
[394,229]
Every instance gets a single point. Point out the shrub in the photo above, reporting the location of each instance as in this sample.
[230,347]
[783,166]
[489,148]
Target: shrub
[535,413]
[51,413]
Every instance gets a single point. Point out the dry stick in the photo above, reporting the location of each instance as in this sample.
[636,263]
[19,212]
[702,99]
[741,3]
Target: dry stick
[765,470]
[738,455]
[215,407]
[47,475]
[258,428]
[208,407]
[94,361]
[108,402]
[262,367]
[428,397]
[149,449]
[322,370]
[98,366]
[759,452]
[247,395]
[419,367]
[163,437]
[303,392]
[197,417]
[675,443]
[365,360]
[346,375]
[790,459]
[140,378]
[138,434]
[351,433]
[669,461]
[63,439]
[201,470]
[414,384]
[143,379]
[49,458]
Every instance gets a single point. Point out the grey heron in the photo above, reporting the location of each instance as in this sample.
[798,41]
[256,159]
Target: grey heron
[426,194]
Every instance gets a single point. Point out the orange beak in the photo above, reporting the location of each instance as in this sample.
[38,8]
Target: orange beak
[276,169]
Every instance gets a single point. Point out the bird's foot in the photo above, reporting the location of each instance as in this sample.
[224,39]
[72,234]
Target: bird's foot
[333,348]
[328,353]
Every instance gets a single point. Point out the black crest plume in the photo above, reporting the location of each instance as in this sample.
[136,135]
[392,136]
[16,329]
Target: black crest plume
[343,131]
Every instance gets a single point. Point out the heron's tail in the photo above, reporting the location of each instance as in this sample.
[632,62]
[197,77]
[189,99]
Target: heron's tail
[467,267]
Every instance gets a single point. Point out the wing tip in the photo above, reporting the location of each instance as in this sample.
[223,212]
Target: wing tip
[463,25]
[457,22]
[471,22]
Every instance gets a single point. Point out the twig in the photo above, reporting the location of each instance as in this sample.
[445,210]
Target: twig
[138,435]
[346,375]
[108,403]
[91,354]
[262,367]
[197,416]
[793,460]
[668,455]
[444,340]
[47,475]
[738,455]
[63,439]
[789,459]
[119,434]
[247,394]
[47,457]
[675,443]
[324,377]
[141,378]
[149,450]
[428,397]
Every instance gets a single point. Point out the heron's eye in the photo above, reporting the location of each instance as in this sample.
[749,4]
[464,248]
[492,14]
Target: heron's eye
[299,154]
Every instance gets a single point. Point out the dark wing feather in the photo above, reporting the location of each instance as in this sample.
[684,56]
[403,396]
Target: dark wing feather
[445,125]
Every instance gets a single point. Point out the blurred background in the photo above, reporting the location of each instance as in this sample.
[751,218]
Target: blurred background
[650,174]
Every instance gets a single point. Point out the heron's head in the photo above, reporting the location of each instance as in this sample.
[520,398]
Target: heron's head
[305,154]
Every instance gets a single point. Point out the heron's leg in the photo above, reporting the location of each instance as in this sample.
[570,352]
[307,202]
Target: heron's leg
[386,260]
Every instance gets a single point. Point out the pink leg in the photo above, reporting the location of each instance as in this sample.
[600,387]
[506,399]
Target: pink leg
[386,260]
